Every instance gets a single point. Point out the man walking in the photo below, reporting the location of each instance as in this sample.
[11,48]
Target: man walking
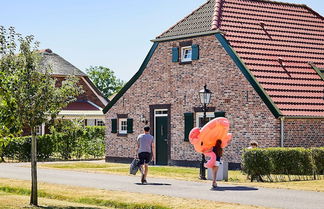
[145,144]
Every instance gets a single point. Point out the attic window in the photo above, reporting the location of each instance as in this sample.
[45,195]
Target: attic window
[186,54]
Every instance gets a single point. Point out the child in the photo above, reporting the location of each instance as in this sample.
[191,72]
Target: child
[253,144]
[217,149]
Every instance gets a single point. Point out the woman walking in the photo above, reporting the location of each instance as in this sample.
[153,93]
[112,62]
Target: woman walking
[218,150]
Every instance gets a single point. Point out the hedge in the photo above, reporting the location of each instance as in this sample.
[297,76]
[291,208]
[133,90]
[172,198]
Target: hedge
[80,143]
[271,163]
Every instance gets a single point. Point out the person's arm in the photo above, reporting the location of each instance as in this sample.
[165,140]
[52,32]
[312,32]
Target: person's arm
[138,144]
[153,151]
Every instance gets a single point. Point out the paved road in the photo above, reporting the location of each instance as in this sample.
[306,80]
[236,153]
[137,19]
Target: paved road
[274,198]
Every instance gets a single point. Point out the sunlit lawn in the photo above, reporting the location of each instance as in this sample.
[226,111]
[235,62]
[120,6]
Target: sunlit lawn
[15,194]
[183,173]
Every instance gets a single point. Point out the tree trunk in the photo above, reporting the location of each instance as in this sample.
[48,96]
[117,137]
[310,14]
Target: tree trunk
[33,195]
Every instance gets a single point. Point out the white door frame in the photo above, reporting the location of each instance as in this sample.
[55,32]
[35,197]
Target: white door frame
[158,113]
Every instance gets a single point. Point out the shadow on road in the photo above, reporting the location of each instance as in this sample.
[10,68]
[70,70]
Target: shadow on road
[154,184]
[235,188]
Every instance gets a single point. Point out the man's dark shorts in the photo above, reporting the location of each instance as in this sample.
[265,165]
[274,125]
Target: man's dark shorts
[144,157]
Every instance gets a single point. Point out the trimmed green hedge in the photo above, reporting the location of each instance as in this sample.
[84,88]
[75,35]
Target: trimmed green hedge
[86,142]
[318,157]
[273,162]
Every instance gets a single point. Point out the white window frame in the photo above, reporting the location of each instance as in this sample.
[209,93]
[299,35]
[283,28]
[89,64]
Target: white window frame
[183,52]
[39,130]
[122,128]
[201,115]
[100,122]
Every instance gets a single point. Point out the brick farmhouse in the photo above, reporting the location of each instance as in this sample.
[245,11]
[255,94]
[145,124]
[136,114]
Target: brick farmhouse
[262,60]
[88,105]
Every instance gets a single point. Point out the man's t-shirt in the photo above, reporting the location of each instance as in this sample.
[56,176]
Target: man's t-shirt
[145,141]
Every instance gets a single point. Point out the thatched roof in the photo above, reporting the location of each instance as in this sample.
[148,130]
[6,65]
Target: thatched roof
[58,64]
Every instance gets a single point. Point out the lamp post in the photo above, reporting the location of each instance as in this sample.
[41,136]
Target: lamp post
[205,95]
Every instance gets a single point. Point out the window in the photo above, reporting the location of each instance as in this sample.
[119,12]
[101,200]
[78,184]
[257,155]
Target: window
[38,130]
[100,123]
[122,126]
[200,118]
[91,122]
[186,54]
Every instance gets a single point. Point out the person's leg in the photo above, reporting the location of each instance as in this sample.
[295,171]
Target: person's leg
[145,171]
[140,165]
[214,170]
[146,162]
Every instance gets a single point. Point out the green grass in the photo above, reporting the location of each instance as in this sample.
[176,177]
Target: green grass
[183,173]
[15,194]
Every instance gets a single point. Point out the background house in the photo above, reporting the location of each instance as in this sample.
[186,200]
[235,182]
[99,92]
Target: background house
[88,105]
[262,60]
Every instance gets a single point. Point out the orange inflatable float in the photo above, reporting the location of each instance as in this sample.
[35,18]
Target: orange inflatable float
[204,139]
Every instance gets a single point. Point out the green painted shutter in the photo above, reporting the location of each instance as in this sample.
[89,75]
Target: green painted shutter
[129,125]
[195,52]
[113,125]
[175,54]
[219,114]
[188,124]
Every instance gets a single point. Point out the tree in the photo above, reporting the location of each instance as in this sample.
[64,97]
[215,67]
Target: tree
[105,80]
[30,90]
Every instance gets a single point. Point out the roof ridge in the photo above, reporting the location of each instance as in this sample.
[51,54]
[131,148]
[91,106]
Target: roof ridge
[218,10]
[183,19]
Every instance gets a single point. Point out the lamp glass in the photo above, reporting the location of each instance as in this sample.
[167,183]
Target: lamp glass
[205,96]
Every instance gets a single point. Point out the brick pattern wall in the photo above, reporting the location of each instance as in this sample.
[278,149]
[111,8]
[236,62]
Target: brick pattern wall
[304,133]
[86,95]
[164,82]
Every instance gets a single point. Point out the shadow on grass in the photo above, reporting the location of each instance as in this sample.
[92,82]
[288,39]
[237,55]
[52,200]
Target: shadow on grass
[234,188]
[154,184]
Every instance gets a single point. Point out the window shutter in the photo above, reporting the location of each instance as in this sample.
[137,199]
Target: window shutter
[195,52]
[175,54]
[188,124]
[129,125]
[219,114]
[113,125]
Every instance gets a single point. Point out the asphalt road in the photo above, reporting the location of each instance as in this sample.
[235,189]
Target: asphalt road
[273,198]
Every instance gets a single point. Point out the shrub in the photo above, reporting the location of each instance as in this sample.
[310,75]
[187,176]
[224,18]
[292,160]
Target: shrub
[256,163]
[318,157]
[68,140]
[283,161]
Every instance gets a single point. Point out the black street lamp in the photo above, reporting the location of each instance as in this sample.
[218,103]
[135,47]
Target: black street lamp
[205,95]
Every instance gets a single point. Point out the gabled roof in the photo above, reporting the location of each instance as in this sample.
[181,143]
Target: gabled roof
[82,105]
[276,41]
[58,64]
[197,22]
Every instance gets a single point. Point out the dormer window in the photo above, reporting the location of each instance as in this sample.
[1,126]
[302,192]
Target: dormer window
[186,54]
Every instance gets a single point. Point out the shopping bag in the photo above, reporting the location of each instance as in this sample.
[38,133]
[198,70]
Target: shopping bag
[134,167]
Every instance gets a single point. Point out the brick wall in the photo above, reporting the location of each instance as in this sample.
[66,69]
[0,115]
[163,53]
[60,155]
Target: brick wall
[164,82]
[88,94]
[304,132]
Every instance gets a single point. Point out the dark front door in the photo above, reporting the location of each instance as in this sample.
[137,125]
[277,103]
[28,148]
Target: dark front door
[161,134]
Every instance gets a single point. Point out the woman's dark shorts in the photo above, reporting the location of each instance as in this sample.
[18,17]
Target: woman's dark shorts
[144,157]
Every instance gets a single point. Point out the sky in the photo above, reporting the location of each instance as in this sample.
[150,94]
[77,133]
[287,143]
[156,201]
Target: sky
[111,33]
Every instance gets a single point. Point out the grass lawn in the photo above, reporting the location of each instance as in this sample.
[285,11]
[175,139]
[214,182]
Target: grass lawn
[15,194]
[183,173]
